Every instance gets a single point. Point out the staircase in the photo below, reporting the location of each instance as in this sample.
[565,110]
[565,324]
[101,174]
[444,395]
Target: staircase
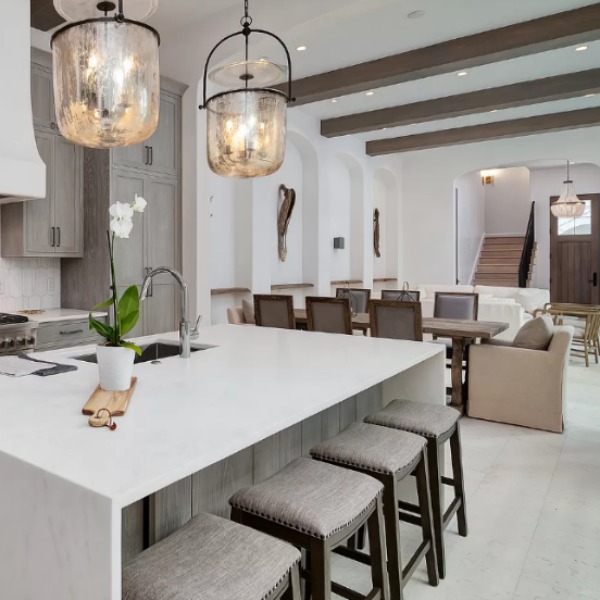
[499,261]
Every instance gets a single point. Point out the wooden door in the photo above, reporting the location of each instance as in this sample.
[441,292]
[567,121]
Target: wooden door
[164,142]
[39,236]
[162,249]
[575,254]
[67,197]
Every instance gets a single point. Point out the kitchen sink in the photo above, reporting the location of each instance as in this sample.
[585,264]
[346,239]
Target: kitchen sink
[150,352]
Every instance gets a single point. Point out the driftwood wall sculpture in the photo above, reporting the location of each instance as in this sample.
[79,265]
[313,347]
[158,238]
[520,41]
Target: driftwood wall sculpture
[287,200]
[376,233]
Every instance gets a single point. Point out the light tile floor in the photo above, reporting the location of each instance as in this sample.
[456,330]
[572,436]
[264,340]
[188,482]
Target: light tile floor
[533,510]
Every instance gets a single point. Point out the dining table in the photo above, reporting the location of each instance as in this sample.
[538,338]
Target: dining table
[460,331]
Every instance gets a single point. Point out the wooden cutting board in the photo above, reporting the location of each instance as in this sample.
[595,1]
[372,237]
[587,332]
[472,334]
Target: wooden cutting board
[115,402]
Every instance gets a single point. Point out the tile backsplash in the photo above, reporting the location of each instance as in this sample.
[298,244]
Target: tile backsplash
[29,283]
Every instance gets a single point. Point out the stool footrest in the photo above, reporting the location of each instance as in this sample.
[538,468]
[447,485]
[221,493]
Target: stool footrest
[413,563]
[408,518]
[454,506]
[360,557]
[408,506]
[345,592]
[448,481]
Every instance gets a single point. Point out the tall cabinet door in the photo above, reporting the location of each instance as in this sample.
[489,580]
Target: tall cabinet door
[39,213]
[162,227]
[164,143]
[42,98]
[67,197]
[136,156]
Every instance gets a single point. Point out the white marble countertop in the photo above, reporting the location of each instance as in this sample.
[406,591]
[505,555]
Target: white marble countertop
[61,314]
[188,414]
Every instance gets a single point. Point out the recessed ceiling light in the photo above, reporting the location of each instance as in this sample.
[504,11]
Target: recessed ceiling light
[301,48]
[384,129]
[416,14]
[462,73]
[334,100]
[369,93]
[495,110]
[589,95]
[581,48]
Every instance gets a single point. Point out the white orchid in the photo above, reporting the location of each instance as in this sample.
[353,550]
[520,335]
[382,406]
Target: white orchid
[121,210]
[139,204]
[121,227]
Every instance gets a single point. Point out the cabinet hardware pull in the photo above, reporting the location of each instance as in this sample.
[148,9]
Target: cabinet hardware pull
[146,155]
[58,242]
[74,332]
[51,236]
[151,155]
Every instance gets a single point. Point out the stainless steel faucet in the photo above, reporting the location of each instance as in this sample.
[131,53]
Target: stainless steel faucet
[185,332]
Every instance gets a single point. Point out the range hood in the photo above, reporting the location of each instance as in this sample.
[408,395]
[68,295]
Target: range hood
[22,171]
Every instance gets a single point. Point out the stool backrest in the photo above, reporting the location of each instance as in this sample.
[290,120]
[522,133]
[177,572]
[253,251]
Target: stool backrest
[329,315]
[456,305]
[401,295]
[359,298]
[274,311]
[397,320]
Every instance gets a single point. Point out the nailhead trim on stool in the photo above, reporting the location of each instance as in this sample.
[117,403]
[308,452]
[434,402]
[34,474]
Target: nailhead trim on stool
[389,455]
[211,558]
[437,424]
[318,507]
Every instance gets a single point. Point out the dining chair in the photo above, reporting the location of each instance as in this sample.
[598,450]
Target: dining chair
[359,298]
[456,305]
[328,315]
[274,311]
[401,295]
[396,320]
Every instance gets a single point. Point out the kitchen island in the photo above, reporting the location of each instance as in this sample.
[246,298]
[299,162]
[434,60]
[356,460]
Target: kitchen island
[74,501]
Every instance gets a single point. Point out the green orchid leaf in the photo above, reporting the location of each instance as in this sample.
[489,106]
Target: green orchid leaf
[131,346]
[128,309]
[103,329]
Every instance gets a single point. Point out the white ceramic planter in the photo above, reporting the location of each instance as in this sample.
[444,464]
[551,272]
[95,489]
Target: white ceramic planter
[115,367]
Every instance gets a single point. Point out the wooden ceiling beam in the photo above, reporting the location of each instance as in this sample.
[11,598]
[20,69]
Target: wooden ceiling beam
[44,16]
[525,93]
[521,39]
[575,119]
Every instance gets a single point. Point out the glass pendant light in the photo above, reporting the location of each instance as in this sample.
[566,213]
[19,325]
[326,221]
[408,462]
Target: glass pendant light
[106,79]
[568,205]
[246,126]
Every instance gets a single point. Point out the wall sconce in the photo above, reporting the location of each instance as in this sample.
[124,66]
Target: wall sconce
[338,243]
[487,177]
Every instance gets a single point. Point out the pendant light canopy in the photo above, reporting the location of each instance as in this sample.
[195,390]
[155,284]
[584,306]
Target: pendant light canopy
[568,205]
[106,79]
[246,126]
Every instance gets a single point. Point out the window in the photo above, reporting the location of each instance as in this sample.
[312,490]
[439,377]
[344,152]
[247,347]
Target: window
[577,225]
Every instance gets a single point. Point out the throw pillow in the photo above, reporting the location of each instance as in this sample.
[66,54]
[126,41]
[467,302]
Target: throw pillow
[535,334]
[248,309]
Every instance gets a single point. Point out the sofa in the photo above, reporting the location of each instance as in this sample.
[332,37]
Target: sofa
[514,306]
[520,386]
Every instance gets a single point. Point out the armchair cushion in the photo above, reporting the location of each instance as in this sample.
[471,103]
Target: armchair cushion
[535,334]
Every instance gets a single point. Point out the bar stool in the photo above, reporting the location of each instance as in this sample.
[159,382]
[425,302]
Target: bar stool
[437,424]
[211,558]
[318,507]
[389,456]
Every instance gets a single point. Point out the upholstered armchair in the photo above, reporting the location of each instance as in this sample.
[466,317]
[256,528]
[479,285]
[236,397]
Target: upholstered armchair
[518,386]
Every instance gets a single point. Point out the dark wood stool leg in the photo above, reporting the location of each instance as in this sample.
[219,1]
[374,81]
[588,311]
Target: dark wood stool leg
[457,476]
[377,550]
[436,504]
[423,488]
[392,536]
[306,580]
[293,591]
[320,570]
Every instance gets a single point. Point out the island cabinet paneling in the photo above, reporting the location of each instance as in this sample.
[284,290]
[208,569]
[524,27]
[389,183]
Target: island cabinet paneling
[210,489]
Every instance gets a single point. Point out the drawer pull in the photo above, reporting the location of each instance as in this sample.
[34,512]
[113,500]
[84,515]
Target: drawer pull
[74,332]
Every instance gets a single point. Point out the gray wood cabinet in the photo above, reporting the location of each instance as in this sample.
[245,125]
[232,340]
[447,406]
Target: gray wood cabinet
[50,226]
[155,240]
[54,335]
[42,95]
[160,153]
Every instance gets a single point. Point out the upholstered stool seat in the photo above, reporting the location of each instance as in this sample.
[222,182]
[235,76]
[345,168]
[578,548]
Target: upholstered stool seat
[211,558]
[390,456]
[437,424]
[317,506]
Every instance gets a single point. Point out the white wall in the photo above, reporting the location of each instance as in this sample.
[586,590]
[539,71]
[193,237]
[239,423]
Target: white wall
[507,202]
[471,221]
[544,184]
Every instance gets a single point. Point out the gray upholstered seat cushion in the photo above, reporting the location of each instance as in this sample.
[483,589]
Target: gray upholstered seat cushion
[379,449]
[310,496]
[430,420]
[209,558]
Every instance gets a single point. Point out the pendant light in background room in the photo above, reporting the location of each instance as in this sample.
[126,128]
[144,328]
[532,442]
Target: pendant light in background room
[246,126]
[106,76]
[568,205]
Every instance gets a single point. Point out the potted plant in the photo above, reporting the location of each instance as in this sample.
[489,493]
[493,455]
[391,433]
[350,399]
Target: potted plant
[116,356]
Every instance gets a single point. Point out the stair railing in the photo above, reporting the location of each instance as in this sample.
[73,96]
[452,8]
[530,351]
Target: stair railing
[528,246]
